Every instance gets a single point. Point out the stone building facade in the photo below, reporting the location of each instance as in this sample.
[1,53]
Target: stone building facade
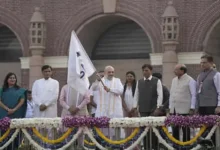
[98,24]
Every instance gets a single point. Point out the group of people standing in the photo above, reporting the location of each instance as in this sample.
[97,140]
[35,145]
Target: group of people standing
[109,97]
[149,97]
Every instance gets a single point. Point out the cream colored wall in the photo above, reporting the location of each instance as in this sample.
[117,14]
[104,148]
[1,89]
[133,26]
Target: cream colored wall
[10,67]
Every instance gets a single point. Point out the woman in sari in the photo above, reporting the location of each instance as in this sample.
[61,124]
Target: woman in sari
[12,102]
[12,98]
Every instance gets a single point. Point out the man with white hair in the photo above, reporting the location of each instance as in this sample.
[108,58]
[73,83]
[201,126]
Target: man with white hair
[109,90]
[182,97]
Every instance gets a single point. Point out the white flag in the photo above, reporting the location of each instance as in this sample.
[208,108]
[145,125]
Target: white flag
[80,66]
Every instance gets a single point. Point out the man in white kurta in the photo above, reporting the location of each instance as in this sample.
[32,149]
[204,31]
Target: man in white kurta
[110,103]
[108,92]
[74,104]
[45,94]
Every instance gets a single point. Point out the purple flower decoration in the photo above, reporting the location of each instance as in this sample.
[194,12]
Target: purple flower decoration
[192,121]
[85,121]
[5,123]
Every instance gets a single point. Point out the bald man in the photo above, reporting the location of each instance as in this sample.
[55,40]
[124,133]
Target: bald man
[110,104]
[182,97]
[108,96]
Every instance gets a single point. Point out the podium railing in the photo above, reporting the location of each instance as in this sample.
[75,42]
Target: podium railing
[105,133]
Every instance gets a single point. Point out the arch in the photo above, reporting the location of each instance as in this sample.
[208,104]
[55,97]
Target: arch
[87,14]
[203,28]
[139,46]
[208,34]
[10,20]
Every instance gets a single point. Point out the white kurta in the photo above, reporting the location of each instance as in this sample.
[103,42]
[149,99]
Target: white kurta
[95,94]
[129,99]
[45,92]
[109,104]
[30,109]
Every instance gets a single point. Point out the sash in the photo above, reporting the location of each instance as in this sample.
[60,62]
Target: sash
[107,99]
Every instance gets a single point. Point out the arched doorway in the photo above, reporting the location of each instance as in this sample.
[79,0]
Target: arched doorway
[117,41]
[212,43]
[10,52]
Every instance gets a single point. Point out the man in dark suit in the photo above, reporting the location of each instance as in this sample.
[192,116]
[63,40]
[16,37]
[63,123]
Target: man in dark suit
[166,95]
[149,97]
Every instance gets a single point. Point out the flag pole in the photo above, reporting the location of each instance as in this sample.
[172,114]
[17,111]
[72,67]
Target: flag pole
[100,79]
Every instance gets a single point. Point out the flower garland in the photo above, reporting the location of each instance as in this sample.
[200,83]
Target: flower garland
[5,123]
[66,138]
[85,121]
[5,135]
[99,132]
[36,122]
[9,139]
[46,140]
[137,141]
[89,145]
[119,144]
[53,146]
[193,140]
[92,138]
[161,140]
[42,146]
[136,122]
[192,121]
[211,132]
[176,146]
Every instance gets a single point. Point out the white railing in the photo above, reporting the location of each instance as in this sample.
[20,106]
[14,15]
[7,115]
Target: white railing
[58,133]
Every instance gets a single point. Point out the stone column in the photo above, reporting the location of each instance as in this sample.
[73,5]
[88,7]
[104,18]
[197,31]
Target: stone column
[169,61]
[37,45]
[170,36]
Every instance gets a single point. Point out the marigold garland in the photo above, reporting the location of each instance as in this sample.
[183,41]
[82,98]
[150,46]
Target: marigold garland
[99,132]
[46,140]
[5,135]
[89,143]
[193,140]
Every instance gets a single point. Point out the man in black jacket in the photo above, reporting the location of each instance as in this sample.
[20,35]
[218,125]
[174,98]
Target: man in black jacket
[166,95]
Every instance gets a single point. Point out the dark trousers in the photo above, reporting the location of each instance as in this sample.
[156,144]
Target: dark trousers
[208,111]
[186,131]
[186,134]
[153,141]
